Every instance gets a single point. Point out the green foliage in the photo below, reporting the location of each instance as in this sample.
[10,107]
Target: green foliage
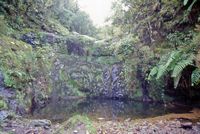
[3,105]
[84,40]
[158,90]
[68,126]
[163,68]
[125,47]
[20,64]
[82,119]
[82,24]
[26,69]
[56,26]
[196,77]
[182,64]
[15,79]
[134,24]
[153,72]
[174,63]
[67,13]
[58,16]
[180,39]
[108,32]
[13,62]
[186,45]
[4,28]
[73,85]
[138,15]
[185,2]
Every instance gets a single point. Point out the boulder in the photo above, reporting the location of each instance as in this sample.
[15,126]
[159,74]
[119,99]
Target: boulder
[40,123]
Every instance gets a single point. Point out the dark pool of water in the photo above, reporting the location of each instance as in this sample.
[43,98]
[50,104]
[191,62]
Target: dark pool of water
[59,111]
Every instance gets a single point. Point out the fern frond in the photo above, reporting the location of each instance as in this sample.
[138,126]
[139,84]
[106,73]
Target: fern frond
[153,73]
[185,2]
[174,62]
[182,65]
[172,59]
[179,67]
[196,77]
[176,80]
[161,71]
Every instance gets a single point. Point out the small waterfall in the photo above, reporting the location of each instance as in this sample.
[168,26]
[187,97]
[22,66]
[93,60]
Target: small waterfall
[113,82]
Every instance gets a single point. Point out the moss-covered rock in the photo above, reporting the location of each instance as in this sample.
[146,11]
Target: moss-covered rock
[25,69]
[3,105]
[77,124]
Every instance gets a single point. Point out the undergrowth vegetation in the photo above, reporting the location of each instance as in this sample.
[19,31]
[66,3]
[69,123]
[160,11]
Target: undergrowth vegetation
[156,45]
[21,64]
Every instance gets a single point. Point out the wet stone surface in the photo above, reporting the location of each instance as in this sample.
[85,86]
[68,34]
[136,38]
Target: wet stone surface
[113,82]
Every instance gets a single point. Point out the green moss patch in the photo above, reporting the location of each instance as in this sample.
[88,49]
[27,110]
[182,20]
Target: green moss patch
[3,105]
[75,122]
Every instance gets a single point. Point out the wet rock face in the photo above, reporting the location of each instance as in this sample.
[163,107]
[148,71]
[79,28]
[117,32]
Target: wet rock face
[75,48]
[35,39]
[9,97]
[50,38]
[41,123]
[88,78]
[113,82]
[29,38]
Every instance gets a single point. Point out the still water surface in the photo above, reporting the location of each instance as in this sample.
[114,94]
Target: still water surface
[59,111]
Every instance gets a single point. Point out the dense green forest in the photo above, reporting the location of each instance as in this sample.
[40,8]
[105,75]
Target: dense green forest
[50,50]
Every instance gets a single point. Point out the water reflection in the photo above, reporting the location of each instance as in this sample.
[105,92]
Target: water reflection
[59,111]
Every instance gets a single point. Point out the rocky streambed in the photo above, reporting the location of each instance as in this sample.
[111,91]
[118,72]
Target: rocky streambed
[186,123]
[167,124]
[146,127]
